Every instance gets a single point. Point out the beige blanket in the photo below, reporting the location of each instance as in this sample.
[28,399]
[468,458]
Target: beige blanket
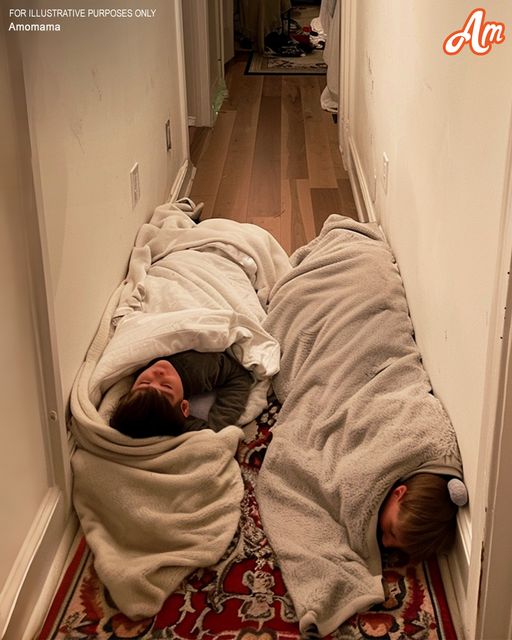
[357,415]
[155,509]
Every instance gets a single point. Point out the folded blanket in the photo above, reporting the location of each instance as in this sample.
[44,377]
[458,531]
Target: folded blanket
[358,415]
[155,509]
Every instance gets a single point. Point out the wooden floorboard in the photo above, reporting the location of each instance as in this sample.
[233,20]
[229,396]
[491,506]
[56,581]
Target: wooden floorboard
[199,138]
[265,189]
[320,167]
[233,190]
[272,158]
[324,202]
[348,206]
[210,167]
[298,232]
[294,162]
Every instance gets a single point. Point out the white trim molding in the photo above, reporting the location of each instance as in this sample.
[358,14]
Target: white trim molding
[489,581]
[29,578]
[52,581]
[196,60]
[183,182]
[360,188]
[182,79]
[41,534]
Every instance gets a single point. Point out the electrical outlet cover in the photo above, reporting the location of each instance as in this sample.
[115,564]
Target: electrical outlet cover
[135,184]
[385,172]
[168,141]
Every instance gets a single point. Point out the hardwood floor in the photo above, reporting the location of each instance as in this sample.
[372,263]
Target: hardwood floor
[272,157]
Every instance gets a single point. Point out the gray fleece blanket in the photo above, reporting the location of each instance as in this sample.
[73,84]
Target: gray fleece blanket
[357,415]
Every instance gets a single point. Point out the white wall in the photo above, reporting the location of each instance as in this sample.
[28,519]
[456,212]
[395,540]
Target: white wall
[443,122]
[21,461]
[94,98]
[99,94]
[34,496]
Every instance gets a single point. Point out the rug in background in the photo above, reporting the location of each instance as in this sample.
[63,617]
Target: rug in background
[244,597]
[296,35]
[310,64]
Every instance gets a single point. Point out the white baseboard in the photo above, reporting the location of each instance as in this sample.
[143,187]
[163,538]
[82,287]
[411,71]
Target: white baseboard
[360,187]
[37,561]
[451,597]
[458,562]
[12,589]
[187,186]
[54,576]
[181,184]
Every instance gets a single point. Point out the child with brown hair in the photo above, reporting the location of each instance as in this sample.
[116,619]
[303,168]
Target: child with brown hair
[419,514]
[158,401]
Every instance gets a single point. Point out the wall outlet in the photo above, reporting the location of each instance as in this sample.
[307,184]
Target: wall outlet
[385,171]
[168,142]
[135,184]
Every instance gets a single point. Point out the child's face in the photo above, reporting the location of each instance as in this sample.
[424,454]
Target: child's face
[389,518]
[163,377]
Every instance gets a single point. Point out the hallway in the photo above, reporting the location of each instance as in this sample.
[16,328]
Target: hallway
[97,136]
[272,157]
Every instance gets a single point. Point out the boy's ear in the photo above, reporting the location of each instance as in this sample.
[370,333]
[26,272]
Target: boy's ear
[399,492]
[185,408]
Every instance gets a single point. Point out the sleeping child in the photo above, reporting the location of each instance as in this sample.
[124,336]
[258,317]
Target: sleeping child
[155,509]
[419,515]
[363,455]
[158,401]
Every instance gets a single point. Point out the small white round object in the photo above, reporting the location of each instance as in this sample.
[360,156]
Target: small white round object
[458,492]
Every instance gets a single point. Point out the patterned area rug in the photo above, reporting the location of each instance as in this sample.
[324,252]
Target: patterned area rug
[310,64]
[244,597]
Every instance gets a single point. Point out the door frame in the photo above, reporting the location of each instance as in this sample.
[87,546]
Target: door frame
[36,571]
[199,81]
[490,588]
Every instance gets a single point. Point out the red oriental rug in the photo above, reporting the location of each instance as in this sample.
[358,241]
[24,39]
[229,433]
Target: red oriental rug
[243,597]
